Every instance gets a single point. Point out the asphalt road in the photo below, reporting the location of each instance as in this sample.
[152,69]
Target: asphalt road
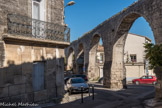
[132,97]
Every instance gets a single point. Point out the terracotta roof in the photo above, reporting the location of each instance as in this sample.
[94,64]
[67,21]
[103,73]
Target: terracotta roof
[100,48]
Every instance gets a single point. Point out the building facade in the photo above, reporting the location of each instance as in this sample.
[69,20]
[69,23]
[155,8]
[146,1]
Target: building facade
[100,59]
[134,57]
[32,41]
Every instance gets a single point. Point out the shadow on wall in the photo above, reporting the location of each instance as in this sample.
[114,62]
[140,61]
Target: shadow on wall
[38,81]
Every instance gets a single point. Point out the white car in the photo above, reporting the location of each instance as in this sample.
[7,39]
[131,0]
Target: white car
[75,84]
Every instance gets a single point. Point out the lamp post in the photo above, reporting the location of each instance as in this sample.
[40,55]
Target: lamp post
[68,4]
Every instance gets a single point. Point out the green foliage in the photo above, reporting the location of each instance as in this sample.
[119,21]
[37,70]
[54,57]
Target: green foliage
[154,54]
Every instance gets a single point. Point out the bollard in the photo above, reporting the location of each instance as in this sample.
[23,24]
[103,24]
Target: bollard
[89,90]
[92,92]
[81,94]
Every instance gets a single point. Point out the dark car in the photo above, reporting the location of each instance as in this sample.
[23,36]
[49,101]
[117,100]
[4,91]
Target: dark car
[75,84]
[82,76]
[101,80]
[145,80]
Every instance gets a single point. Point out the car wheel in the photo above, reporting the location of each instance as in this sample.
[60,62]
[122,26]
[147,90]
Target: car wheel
[137,83]
[69,92]
[154,83]
[87,91]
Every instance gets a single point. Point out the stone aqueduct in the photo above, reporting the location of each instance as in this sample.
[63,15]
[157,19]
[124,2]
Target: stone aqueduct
[113,33]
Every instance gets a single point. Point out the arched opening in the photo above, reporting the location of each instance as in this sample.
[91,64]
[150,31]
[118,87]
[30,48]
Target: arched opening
[71,60]
[128,60]
[80,59]
[96,58]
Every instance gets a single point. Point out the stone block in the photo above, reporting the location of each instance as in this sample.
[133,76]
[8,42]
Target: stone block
[40,96]
[60,90]
[29,88]
[19,79]
[50,84]
[51,93]
[30,97]
[16,89]
[28,78]
[23,98]
[27,68]
[18,98]
[7,99]
[18,70]
[3,92]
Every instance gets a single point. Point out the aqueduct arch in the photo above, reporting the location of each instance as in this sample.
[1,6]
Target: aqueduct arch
[70,58]
[118,68]
[80,59]
[114,31]
[93,70]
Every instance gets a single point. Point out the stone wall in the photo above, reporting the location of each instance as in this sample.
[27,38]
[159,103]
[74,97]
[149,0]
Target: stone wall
[54,11]
[17,56]
[16,75]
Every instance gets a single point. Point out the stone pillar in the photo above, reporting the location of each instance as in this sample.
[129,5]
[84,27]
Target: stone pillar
[158,72]
[2,59]
[114,70]
[93,71]
[86,61]
[2,54]
[60,76]
[118,74]
[70,62]
[157,31]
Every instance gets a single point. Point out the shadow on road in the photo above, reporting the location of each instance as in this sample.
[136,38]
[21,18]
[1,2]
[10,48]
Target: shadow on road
[131,97]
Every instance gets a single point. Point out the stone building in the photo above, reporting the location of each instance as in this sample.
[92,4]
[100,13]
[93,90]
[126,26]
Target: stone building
[32,41]
[135,63]
[100,60]
[134,57]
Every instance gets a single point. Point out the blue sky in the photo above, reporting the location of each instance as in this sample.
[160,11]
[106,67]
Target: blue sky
[87,14]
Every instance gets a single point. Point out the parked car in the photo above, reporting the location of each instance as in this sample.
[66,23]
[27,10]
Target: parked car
[77,75]
[101,80]
[75,84]
[145,80]
[82,76]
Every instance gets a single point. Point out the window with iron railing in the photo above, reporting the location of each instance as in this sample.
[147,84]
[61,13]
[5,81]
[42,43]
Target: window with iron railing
[23,26]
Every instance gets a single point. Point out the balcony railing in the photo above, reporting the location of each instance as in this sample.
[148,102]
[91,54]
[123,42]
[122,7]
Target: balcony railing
[32,28]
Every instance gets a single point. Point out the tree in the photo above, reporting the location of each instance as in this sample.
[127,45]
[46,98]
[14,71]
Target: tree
[154,54]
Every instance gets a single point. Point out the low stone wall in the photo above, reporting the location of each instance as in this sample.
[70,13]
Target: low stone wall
[16,76]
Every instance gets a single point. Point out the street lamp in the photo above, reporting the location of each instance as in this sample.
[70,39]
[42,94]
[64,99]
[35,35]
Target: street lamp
[70,3]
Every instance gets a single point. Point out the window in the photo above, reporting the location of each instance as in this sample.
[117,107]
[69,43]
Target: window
[101,58]
[133,57]
[36,10]
[38,13]
[39,9]
[144,77]
[150,77]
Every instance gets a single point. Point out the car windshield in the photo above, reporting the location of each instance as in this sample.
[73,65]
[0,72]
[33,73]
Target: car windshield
[80,76]
[79,80]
